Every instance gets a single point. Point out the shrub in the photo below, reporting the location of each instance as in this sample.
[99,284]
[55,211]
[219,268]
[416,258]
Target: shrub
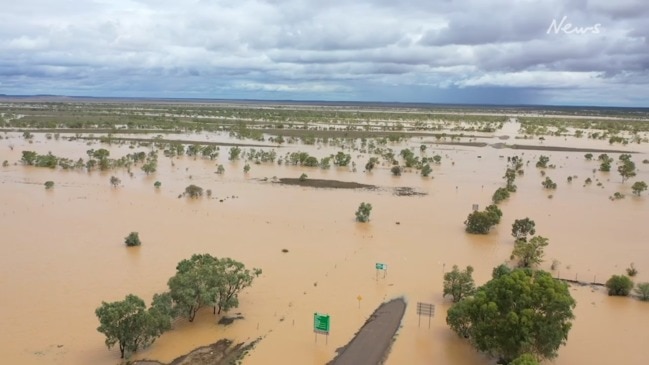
[396,170]
[303,177]
[49,184]
[631,270]
[500,195]
[157,184]
[642,291]
[194,191]
[619,285]
[133,239]
[363,212]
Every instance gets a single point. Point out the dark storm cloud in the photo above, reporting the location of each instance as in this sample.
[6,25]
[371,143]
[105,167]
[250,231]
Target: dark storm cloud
[412,50]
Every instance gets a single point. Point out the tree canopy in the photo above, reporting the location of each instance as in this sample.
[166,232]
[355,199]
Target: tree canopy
[363,212]
[519,312]
[529,253]
[480,222]
[521,228]
[204,280]
[619,285]
[129,324]
[459,284]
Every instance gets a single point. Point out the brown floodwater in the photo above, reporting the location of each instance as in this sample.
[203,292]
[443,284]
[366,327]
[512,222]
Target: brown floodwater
[63,251]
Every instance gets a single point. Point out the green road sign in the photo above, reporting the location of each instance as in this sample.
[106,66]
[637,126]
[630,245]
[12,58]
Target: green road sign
[380,266]
[321,323]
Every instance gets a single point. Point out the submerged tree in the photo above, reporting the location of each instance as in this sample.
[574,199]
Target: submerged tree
[459,284]
[115,181]
[194,191]
[522,228]
[523,311]
[529,253]
[363,212]
[204,280]
[638,187]
[129,324]
[500,195]
[480,222]
[133,239]
[626,169]
[619,285]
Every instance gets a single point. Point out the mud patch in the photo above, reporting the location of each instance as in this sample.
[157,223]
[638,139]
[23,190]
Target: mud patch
[406,191]
[226,321]
[323,183]
[220,353]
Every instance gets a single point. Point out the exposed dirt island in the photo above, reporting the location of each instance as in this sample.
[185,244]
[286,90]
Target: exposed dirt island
[222,352]
[324,183]
[372,343]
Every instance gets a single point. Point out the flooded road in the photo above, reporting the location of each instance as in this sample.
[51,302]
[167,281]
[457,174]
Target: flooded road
[64,252]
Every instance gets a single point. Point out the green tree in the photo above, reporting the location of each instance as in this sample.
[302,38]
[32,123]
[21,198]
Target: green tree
[303,177]
[396,170]
[115,181]
[194,285]
[233,277]
[525,359]
[549,184]
[642,291]
[543,161]
[157,184]
[363,212]
[480,222]
[524,311]
[325,163]
[529,253]
[522,228]
[204,280]
[150,167]
[588,156]
[246,169]
[133,239]
[459,284]
[510,177]
[234,153]
[194,191]
[619,285]
[500,195]
[342,159]
[638,187]
[29,157]
[426,170]
[130,325]
[101,154]
[311,161]
[371,163]
[495,213]
[49,184]
[500,270]
[626,169]
[220,170]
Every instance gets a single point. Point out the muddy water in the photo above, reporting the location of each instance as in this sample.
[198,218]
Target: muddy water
[64,254]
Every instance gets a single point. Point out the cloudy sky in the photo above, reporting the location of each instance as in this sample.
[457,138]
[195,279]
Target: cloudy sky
[563,52]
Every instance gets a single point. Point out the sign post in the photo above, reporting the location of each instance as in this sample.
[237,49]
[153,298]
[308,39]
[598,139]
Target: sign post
[380,266]
[322,325]
[425,309]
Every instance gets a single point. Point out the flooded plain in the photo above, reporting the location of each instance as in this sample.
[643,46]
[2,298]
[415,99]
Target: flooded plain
[63,251]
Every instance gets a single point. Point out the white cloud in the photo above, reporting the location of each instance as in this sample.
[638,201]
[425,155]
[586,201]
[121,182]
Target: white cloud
[147,47]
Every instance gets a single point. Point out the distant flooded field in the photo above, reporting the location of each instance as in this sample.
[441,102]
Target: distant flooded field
[64,249]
